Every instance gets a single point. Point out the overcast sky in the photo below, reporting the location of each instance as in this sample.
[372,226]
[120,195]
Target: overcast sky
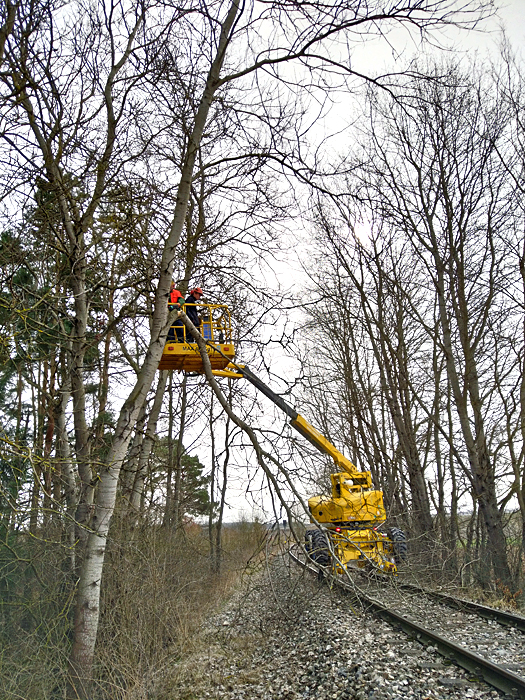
[512,14]
[374,56]
[378,54]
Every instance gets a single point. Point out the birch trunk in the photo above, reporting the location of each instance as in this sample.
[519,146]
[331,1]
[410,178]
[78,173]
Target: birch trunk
[87,607]
[132,463]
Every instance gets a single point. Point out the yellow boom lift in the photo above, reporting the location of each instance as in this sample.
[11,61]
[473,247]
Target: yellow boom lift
[352,515]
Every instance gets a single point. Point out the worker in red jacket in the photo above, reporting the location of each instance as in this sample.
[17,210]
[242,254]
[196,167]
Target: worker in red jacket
[175,301]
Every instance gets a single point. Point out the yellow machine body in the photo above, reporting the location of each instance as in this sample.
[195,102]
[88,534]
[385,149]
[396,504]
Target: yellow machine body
[348,504]
[363,548]
[215,327]
[351,517]
[185,357]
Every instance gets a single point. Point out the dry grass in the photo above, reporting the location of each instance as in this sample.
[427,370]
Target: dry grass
[158,589]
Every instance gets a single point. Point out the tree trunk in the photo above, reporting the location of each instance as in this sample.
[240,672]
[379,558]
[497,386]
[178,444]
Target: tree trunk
[177,492]
[131,465]
[87,606]
[147,446]
[222,502]
[480,464]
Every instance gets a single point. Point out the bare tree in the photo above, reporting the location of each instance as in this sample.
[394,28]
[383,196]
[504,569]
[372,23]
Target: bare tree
[77,110]
[302,47]
[375,352]
[434,177]
[508,77]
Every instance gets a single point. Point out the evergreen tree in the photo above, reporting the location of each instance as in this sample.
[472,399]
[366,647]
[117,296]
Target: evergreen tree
[194,497]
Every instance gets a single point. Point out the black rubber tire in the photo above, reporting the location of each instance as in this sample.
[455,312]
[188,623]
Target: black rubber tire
[399,544]
[319,552]
[308,541]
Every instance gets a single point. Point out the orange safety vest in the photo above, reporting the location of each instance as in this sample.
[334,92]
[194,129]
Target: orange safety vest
[174,297]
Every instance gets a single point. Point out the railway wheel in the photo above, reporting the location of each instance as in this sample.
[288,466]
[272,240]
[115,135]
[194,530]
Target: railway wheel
[319,551]
[399,544]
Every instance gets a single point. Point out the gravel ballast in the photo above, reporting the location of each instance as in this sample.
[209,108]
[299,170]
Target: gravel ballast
[287,636]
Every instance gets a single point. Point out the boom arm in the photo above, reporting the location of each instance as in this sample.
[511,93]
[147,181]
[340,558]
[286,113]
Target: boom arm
[353,512]
[307,430]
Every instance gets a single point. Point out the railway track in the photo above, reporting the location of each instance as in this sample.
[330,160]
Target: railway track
[501,616]
[488,643]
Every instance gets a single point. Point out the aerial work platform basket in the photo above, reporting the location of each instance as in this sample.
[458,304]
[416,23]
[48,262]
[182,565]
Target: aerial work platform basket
[181,351]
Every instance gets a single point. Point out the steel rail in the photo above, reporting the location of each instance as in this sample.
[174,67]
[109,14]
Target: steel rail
[485,611]
[493,674]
